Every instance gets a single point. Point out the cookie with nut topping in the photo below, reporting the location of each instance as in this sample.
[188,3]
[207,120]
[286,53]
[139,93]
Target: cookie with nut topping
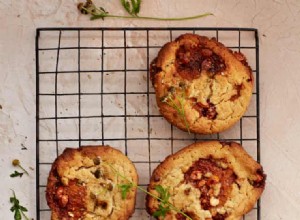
[83,184]
[201,86]
[208,180]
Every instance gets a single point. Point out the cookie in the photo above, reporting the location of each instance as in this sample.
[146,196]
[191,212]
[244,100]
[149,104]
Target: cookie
[84,184]
[201,86]
[208,180]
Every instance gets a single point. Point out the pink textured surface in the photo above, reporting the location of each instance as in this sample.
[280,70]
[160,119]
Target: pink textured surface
[279,31]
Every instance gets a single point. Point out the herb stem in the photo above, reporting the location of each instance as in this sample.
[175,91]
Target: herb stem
[25,216]
[117,172]
[98,16]
[183,116]
[133,9]
[145,191]
[17,163]
[22,168]
[180,109]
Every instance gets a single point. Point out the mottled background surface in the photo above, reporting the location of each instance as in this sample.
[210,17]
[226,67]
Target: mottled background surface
[279,34]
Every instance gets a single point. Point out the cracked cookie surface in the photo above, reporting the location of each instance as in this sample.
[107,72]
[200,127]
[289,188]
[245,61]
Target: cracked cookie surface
[201,86]
[208,181]
[82,185]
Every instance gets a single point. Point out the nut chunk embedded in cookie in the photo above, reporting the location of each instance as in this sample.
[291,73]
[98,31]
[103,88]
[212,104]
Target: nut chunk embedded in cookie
[201,86]
[84,184]
[206,180]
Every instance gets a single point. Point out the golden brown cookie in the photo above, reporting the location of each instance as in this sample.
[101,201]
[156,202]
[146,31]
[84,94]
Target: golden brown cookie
[83,184]
[208,181]
[201,85]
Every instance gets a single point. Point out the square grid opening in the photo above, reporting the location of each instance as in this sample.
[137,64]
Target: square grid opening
[93,89]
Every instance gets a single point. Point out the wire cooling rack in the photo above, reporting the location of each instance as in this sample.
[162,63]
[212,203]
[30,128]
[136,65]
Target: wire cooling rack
[93,88]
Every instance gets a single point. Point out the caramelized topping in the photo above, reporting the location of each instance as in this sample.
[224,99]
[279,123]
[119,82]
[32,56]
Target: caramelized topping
[243,60]
[219,216]
[62,198]
[208,111]
[180,216]
[214,182]
[238,89]
[191,60]
[70,200]
[260,179]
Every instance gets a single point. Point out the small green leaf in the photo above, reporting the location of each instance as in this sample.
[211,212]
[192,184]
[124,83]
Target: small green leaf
[22,208]
[103,10]
[125,188]
[161,211]
[16,174]
[18,215]
[159,189]
[137,6]
[126,5]
[132,6]
[164,194]
[16,202]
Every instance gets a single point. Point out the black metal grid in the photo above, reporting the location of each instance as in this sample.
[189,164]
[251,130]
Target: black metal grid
[55,122]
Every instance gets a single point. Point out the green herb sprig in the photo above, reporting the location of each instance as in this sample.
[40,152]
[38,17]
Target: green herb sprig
[18,209]
[132,7]
[164,207]
[170,100]
[17,163]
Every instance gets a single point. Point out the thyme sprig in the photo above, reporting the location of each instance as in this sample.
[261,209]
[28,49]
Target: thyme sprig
[164,207]
[132,7]
[170,100]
